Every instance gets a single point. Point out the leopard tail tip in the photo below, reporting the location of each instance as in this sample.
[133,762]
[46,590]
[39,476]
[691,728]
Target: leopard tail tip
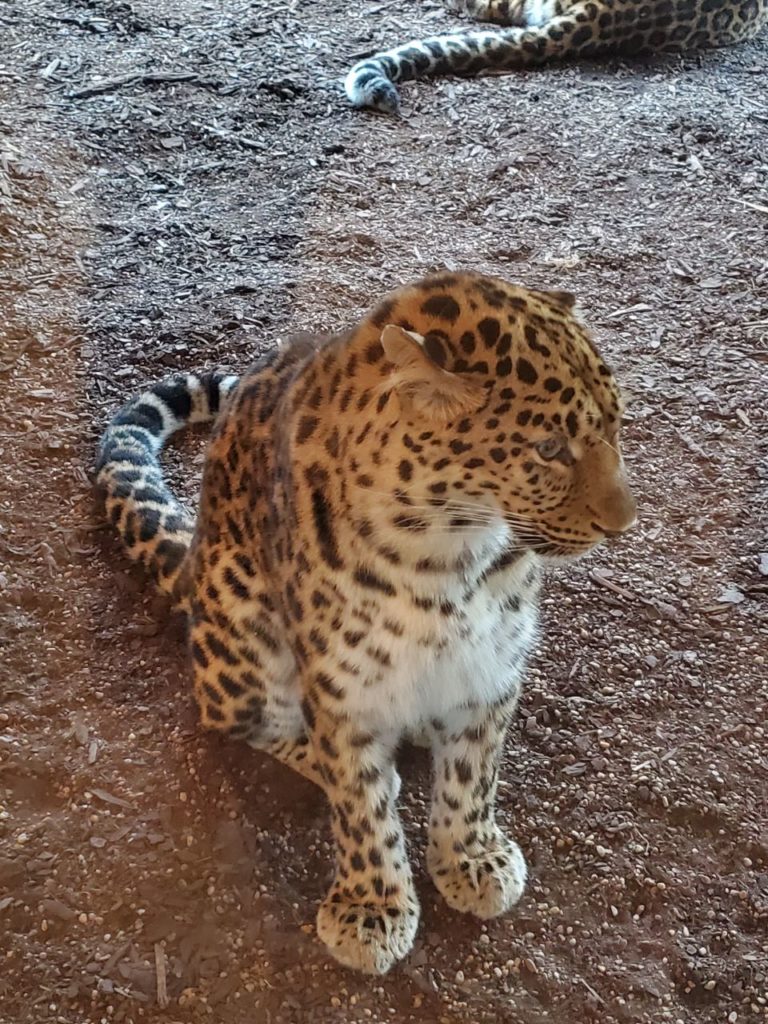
[367,85]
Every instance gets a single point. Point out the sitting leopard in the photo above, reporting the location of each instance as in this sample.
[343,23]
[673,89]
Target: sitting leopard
[376,509]
[544,30]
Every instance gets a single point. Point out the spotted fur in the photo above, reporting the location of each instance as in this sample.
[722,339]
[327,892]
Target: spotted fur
[375,511]
[544,30]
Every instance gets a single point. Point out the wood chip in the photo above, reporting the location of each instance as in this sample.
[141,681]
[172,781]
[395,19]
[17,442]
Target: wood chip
[753,206]
[600,578]
[55,908]
[108,798]
[162,989]
[640,307]
[79,729]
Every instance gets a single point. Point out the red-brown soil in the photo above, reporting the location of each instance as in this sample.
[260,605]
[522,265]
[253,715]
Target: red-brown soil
[160,224]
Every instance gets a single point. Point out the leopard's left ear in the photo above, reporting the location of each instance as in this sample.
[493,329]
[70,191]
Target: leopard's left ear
[421,385]
[565,300]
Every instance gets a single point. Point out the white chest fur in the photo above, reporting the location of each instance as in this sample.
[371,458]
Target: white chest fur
[467,646]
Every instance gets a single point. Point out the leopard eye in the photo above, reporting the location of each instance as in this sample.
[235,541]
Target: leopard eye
[554,448]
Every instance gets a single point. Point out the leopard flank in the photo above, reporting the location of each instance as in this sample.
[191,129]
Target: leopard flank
[545,30]
[365,562]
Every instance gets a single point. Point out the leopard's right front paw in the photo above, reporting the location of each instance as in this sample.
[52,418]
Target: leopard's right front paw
[369,937]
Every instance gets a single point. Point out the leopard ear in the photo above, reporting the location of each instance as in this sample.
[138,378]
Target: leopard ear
[402,347]
[567,302]
[565,299]
[421,385]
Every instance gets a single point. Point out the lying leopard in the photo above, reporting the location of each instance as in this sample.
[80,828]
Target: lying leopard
[375,513]
[544,30]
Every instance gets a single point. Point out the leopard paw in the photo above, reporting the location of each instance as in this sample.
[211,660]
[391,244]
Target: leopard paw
[485,884]
[368,937]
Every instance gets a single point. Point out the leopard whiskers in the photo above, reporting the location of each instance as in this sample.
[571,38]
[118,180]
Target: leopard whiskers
[451,506]
[609,445]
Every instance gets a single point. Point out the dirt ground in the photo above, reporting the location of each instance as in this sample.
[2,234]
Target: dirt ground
[180,184]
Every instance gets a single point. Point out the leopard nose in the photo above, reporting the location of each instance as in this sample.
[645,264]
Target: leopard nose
[618,513]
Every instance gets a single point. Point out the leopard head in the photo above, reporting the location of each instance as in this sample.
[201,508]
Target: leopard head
[517,413]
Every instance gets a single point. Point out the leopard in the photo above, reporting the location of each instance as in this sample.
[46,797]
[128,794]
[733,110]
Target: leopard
[539,31]
[365,562]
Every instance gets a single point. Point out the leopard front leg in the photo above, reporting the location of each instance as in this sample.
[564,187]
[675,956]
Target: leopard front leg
[369,918]
[474,865]
[245,683]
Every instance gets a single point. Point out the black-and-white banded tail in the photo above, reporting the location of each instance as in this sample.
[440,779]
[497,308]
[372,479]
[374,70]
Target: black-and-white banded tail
[370,83]
[155,528]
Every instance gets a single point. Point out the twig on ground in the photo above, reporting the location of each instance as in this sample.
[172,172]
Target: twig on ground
[142,77]
[610,585]
[230,136]
[753,206]
[162,988]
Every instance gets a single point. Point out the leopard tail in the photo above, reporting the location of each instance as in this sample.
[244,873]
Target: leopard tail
[155,528]
[370,83]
